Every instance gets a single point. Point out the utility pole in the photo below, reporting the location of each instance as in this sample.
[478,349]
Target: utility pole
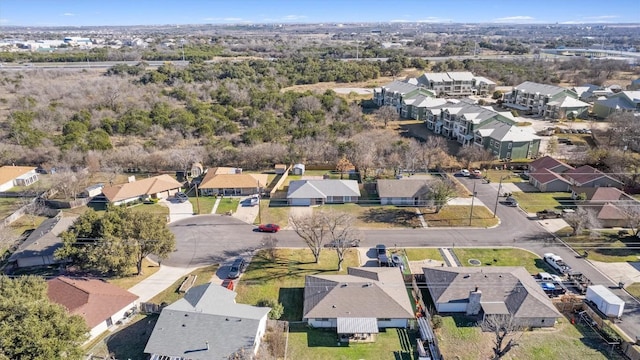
[473,198]
[197,198]
[495,209]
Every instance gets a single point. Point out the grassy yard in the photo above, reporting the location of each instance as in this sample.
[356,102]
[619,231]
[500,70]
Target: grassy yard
[423,254]
[320,344]
[507,176]
[171,294]
[532,202]
[502,257]
[282,279]
[565,341]
[206,204]
[273,214]
[157,209]
[126,283]
[226,205]
[9,205]
[458,215]
[608,247]
[377,216]
[25,223]
[634,289]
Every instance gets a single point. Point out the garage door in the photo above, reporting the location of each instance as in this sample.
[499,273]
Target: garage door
[300,202]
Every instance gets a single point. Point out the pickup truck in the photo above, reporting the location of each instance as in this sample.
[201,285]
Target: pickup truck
[549,214]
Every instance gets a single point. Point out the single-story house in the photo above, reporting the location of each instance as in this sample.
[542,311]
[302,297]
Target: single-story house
[608,203]
[157,187]
[280,169]
[358,304]
[318,192]
[491,290]
[410,192]
[207,324]
[602,195]
[11,176]
[100,304]
[587,176]
[38,248]
[549,163]
[232,184]
[298,169]
[546,180]
[610,215]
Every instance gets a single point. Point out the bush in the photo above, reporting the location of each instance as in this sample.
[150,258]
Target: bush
[436,320]
[276,308]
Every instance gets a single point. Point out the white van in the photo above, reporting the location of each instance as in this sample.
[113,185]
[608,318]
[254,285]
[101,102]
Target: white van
[544,276]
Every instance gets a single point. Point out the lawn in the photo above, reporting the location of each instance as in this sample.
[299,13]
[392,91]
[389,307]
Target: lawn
[634,289]
[565,341]
[377,216]
[282,279]
[126,283]
[25,223]
[9,205]
[608,247]
[502,257]
[458,215]
[206,204]
[507,176]
[273,214]
[532,202]
[418,254]
[156,209]
[171,294]
[226,205]
[320,344]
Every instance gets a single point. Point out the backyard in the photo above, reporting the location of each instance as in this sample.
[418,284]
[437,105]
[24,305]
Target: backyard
[502,257]
[532,202]
[564,341]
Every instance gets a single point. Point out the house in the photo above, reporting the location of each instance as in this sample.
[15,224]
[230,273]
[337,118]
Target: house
[318,192]
[11,176]
[549,163]
[482,85]
[38,248]
[491,290]
[407,192]
[358,304]
[99,303]
[459,83]
[587,176]
[590,93]
[546,180]
[157,187]
[567,108]
[624,101]
[298,169]
[609,204]
[207,324]
[280,169]
[507,141]
[533,98]
[232,182]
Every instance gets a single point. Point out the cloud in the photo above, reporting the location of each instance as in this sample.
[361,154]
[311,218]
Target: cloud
[68,14]
[4,21]
[433,19]
[233,19]
[400,21]
[514,19]
[592,19]
[294,17]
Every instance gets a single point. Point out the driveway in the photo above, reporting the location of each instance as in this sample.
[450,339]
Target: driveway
[245,212]
[177,210]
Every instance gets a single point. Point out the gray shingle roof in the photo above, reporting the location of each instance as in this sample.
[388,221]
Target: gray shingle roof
[543,89]
[207,314]
[321,189]
[409,188]
[366,292]
[400,87]
[512,286]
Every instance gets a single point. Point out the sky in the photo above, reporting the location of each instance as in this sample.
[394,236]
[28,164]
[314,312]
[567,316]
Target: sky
[163,12]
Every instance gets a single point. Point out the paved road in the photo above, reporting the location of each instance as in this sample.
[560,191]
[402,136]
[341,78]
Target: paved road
[212,238]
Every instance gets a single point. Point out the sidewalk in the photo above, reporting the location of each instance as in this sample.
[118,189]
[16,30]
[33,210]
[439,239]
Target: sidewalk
[448,257]
[158,282]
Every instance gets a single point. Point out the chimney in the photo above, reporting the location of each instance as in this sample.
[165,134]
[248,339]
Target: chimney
[474,307]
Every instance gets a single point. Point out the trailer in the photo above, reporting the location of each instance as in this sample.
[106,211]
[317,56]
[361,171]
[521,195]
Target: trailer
[606,301]
[557,263]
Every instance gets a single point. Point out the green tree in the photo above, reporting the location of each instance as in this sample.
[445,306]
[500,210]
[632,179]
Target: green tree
[98,139]
[117,241]
[32,327]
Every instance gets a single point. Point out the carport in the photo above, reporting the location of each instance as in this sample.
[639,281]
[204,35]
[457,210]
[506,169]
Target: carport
[357,329]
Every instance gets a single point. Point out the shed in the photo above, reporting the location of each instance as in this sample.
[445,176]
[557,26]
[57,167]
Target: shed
[280,169]
[298,169]
[93,190]
[196,169]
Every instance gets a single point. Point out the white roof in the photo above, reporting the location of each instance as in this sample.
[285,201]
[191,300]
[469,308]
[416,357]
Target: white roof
[606,294]
[321,189]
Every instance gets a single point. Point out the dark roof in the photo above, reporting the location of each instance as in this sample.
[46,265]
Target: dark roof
[545,176]
[610,212]
[404,188]
[94,300]
[547,162]
[376,292]
[585,174]
[512,286]
[602,194]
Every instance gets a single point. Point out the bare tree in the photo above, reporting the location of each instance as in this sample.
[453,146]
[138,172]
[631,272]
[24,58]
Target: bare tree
[582,219]
[632,215]
[442,190]
[386,114]
[69,183]
[472,153]
[312,229]
[270,242]
[342,233]
[504,327]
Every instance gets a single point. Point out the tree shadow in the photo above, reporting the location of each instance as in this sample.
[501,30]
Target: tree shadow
[292,300]
[403,217]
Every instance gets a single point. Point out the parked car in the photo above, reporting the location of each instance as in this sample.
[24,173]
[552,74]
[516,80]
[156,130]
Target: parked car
[254,200]
[343,243]
[549,214]
[237,268]
[510,201]
[476,174]
[181,197]
[269,228]
[465,172]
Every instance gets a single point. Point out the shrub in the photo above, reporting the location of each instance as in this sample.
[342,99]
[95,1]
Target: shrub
[436,320]
[276,308]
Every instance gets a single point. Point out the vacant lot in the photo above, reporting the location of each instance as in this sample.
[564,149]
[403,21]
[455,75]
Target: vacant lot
[609,247]
[458,215]
[281,278]
[565,341]
[532,202]
[502,257]
[321,344]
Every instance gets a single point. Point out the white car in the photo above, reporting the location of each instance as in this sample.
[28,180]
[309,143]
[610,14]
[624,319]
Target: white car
[254,200]
[465,172]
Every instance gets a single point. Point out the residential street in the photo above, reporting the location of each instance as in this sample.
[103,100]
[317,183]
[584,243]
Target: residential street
[209,239]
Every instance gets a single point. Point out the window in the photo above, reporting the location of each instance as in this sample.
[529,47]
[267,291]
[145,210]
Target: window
[491,143]
[509,146]
[322,319]
[384,319]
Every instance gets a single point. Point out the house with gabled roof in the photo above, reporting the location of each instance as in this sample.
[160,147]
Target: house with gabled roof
[533,97]
[99,303]
[549,163]
[453,83]
[507,141]
[610,205]
[207,324]
[622,102]
[393,93]
[491,290]
[588,176]
[156,187]
[11,176]
[232,182]
[326,191]
[359,303]
[546,180]
[567,108]
[404,192]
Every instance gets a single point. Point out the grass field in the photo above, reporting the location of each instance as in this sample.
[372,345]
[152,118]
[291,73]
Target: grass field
[634,289]
[507,176]
[171,294]
[458,215]
[321,344]
[532,202]
[565,341]
[502,257]
[608,247]
[282,279]
[418,254]
[273,214]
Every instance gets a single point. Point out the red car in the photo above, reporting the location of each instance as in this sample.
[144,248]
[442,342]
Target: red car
[268,228]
